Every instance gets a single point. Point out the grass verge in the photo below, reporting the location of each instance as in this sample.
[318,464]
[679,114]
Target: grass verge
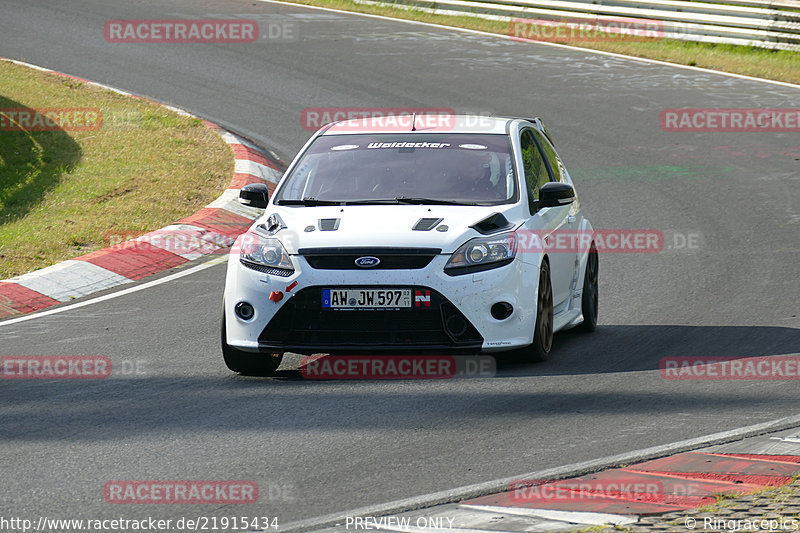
[780,65]
[63,191]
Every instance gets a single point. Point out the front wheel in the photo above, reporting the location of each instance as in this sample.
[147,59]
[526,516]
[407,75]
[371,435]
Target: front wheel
[539,349]
[247,363]
[589,299]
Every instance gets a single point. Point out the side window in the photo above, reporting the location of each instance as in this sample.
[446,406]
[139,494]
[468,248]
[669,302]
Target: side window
[552,157]
[532,164]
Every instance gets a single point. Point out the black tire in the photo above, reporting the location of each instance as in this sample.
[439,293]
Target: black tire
[539,349]
[248,363]
[589,299]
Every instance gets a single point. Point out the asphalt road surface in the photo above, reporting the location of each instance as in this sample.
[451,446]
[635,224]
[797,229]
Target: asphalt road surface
[320,447]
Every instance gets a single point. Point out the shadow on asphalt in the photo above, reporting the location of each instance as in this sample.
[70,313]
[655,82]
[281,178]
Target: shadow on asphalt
[113,408]
[614,349]
[641,348]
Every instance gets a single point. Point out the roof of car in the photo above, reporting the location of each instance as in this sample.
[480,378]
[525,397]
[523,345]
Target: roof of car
[423,123]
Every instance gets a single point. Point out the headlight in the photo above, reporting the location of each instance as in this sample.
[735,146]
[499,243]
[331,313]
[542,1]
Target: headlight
[483,253]
[265,254]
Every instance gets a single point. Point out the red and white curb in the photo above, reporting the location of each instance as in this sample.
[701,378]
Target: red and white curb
[618,496]
[213,229]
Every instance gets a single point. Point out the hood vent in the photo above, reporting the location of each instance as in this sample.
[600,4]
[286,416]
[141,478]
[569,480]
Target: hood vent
[426,224]
[492,224]
[329,224]
[274,225]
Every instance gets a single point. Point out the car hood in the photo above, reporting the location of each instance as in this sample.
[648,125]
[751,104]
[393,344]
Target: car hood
[379,225]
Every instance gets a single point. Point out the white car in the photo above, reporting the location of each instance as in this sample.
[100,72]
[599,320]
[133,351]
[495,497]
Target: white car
[411,237]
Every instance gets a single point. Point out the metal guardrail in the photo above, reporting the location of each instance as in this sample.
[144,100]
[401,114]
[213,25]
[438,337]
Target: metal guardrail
[762,23]
[777,4]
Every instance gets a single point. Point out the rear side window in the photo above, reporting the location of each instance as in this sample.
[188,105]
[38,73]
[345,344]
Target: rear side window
[533,165]
[552,157]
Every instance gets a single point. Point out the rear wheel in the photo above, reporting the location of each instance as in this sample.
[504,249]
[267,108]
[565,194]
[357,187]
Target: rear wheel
[539,350]
[589,299]
[248,363]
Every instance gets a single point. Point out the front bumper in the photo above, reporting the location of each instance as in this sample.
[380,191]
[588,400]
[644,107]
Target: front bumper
[432,326]
[457,320]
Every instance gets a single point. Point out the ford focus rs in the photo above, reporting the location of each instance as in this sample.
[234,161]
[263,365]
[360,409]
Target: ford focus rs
[424,236]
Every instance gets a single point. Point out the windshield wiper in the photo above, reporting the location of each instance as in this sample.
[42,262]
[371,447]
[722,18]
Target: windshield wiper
[375,201]
[402,200]
[309,202]
[434,201]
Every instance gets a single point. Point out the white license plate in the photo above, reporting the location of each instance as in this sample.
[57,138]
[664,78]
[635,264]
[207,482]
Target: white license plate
[366,298]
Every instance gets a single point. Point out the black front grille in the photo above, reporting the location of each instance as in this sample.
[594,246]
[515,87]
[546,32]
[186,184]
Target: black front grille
[303,325]
[390,258]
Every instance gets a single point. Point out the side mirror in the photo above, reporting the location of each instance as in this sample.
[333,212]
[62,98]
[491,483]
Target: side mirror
[254,195]
[555,193]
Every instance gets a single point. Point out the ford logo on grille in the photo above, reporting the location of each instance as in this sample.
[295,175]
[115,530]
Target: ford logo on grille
[367,261]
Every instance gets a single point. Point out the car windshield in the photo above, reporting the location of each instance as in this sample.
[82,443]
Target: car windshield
[403,168]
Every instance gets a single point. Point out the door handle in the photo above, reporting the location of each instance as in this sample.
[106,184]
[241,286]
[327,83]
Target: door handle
[571,219]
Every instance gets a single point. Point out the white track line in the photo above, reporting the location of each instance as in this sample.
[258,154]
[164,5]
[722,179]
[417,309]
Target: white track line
[561,472]
[568,47]
[574,517]
[414,529]
[166,279]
